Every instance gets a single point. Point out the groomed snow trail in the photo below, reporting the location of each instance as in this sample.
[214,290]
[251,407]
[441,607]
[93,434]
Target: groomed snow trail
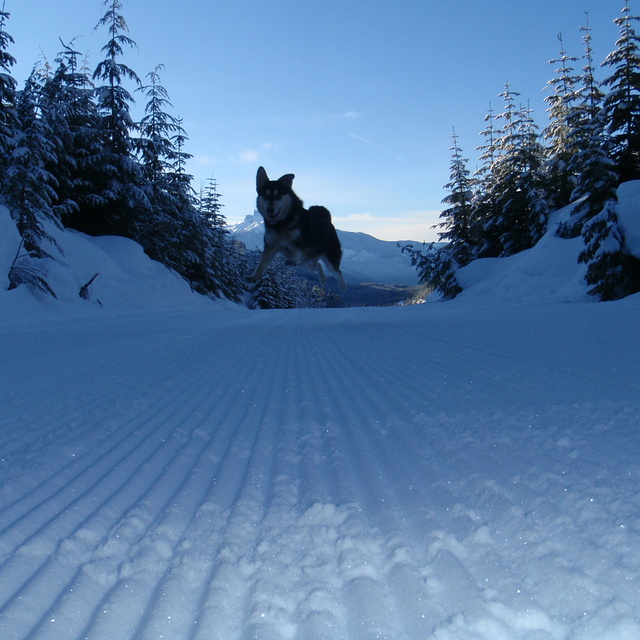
[438,472]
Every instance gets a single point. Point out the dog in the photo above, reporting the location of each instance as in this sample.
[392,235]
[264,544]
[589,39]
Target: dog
[304,236]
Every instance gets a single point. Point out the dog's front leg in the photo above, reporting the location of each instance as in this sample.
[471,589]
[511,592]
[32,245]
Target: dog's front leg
[268,255]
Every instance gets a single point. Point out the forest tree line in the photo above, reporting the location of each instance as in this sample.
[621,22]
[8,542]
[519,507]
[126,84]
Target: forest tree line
[72,156]
[590,145]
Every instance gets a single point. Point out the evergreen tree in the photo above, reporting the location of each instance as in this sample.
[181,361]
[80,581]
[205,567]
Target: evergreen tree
[29,189]
[484,206]
[560,148]
[67,107]
[221,257]
[8,114]
[593,170]
[277,289]
[621,107]
[611,272]
[437,266]
[457,217]
[181,233]
[159,226]
[121,182]
[516,187]
[596,180]
[155,145]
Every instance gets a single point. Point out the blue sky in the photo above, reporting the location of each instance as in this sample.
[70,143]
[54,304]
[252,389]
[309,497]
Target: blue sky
[358,99]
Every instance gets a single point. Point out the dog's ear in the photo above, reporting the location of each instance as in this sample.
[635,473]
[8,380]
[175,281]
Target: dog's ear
[287,180]
[261,178]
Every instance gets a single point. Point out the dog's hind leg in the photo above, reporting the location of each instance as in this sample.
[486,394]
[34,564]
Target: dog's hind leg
[321,275]
[335,271]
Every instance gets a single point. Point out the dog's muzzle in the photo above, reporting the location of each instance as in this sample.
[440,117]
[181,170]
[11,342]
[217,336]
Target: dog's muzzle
[272,214]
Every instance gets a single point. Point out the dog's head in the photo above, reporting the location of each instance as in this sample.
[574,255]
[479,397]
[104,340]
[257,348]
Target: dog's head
[274,196]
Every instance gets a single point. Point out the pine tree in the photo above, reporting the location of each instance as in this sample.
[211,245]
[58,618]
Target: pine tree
[560,148]
[437,265]
[621,106]
[8,114]
[67,107]
[220,255]
[591,165]
[155,145]
[484,206]
[609,267]
[436,268]
[186,235]
[277,289]
[456,218]
[29,189]
[121,183]
[159,226]
[516,187]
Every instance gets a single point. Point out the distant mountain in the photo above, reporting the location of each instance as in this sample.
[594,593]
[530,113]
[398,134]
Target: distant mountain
[365,259]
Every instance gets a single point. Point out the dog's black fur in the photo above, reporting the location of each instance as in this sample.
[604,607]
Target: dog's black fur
[304,236]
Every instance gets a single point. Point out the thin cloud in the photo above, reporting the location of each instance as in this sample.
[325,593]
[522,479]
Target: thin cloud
[375,145]
[248,155]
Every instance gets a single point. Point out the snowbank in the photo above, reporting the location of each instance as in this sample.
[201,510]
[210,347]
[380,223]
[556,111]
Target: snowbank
[114,274]
[548,272]
[9,243]
[628,212]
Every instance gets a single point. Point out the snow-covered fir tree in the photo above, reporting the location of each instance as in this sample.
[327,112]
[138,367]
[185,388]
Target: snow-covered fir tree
[158,227]
[590,164]
[606,129]
[277,289]
[29,189]
[456,218]
[559,142]
[120,180]
[604,255]
[621,106]
[8,84]
[178,230]
[66,106]
[437,265]
[515,189]
[220,257]
[155,144]
[484,208]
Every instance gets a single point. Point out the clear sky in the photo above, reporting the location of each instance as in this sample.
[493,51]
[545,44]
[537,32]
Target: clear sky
[358,98]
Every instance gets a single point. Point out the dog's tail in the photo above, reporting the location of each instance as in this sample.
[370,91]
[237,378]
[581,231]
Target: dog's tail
[320,212]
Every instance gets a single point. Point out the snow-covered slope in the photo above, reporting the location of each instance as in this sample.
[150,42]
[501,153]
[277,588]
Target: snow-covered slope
[183,469]
[126,279]
[549,272]
[443,471]
[365,258]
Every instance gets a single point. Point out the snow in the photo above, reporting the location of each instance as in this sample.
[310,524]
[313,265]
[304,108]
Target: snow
[9,243]
[549,272]
[177,468]
[628,215]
